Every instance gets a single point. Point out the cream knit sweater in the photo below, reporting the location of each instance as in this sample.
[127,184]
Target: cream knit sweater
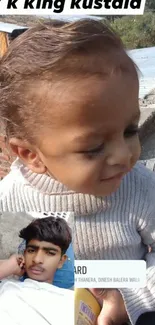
[119,226]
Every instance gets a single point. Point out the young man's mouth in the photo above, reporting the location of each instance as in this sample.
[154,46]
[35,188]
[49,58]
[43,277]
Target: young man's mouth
[36,270]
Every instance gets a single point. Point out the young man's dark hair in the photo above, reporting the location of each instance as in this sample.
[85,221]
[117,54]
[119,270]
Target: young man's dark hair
[50,229]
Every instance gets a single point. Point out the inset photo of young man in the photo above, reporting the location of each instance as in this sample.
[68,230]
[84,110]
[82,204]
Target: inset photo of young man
[36,268]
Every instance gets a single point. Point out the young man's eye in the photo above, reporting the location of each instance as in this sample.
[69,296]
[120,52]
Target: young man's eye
[51,253]
[131,131]
[30,250]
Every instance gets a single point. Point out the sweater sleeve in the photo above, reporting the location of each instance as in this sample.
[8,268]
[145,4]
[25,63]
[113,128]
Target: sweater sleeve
[138,301]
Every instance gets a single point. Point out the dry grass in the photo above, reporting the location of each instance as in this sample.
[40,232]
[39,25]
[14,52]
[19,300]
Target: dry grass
[23,20]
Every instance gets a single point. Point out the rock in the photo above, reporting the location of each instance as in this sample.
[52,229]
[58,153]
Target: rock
[10,226]
[147,126]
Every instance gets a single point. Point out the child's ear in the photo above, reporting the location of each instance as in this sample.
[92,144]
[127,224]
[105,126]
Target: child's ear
[27,153]
[62,261]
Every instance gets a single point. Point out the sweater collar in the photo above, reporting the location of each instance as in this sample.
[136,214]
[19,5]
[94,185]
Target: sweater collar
[61,197]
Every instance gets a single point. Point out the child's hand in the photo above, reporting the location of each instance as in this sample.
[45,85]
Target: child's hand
[113,311]
[17,265]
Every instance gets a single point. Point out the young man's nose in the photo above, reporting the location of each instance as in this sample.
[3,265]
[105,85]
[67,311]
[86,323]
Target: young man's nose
[38,258]
[120,155]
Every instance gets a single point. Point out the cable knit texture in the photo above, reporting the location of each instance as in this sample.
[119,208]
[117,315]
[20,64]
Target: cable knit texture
[119,226]
[23,190]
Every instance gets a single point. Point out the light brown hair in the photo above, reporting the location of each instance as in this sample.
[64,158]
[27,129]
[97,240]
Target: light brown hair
[47,53]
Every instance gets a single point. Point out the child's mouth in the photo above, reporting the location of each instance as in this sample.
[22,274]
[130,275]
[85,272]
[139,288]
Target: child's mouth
[113,178]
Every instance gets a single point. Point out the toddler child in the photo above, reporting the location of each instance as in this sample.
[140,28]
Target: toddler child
[69,103]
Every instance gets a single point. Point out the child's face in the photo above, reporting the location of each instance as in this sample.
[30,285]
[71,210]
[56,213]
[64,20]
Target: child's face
[93,141]
[42,259]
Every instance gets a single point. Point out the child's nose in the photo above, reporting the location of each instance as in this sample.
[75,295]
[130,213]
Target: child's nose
[120,155]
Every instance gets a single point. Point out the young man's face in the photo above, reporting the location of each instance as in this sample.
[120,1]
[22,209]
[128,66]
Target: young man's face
[94,141]
[42,259]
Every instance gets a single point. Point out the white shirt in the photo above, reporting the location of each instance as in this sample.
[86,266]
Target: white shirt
[38,303]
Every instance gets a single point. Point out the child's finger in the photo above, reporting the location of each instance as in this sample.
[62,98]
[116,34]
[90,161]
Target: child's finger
[22,265]
[104,320]
[20,259]
[100,294]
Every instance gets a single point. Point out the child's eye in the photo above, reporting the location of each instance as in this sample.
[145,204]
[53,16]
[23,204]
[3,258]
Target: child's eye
[93,152]
[131,131]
